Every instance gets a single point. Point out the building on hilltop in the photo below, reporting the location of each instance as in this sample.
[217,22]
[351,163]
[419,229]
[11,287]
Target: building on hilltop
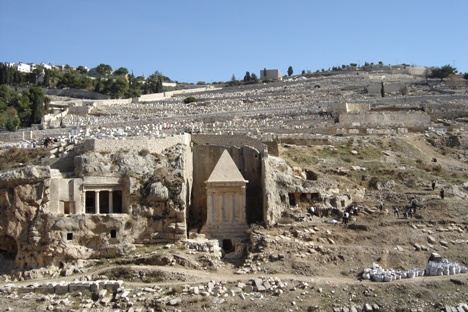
[274,74]
[24,68]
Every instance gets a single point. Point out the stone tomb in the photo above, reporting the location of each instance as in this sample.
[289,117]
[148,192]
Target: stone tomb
[226,197]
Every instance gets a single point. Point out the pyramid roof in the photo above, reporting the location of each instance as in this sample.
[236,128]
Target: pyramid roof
[226,170]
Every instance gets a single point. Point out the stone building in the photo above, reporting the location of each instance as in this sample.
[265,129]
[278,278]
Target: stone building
[226,217]
[274,74]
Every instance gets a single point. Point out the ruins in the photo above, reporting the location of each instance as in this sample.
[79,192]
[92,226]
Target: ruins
[258,175]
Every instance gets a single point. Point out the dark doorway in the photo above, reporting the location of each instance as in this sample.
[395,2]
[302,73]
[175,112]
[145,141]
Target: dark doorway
[104,202]
[8,252]
[8,247]
[292,199]
[117,202]
[90,202]
[66,208]
[227,245]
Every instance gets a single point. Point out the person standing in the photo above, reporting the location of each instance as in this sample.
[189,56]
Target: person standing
[395,212]
[433,184]
[442,193]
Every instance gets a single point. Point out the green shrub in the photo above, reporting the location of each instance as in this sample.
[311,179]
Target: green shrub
[190,99]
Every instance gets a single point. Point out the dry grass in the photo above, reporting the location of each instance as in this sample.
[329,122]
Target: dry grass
[17,157]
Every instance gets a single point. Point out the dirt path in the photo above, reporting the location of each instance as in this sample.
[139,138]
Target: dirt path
[197,277]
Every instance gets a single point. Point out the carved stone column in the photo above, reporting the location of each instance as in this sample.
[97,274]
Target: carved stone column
[111,203]
[96,202]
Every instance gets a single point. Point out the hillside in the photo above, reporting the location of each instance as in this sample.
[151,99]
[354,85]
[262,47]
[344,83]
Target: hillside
[308,260]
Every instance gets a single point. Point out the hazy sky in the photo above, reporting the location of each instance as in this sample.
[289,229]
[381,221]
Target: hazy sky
[203,40]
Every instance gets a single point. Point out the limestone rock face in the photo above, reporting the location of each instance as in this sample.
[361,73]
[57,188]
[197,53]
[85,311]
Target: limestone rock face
[23,196]
[158,192]
[26,175]
[154,208]
[98,164]
[277,179]
[283,182]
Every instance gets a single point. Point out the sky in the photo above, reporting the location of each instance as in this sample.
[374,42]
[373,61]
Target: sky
[212,40]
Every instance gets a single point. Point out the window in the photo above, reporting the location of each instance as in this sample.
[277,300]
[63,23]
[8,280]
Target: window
[113,233]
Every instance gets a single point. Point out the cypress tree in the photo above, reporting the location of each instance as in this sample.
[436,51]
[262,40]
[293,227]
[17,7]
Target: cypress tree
[2,73]
[382,90]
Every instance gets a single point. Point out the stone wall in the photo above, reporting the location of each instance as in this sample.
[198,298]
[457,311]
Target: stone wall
[357,107]
[376,89]
[30,134]
[341,107]
[164,95]
[135,144]
[446,109]
[416,70]
[227,140]
[384,119]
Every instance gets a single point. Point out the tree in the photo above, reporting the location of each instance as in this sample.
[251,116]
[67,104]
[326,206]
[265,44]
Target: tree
[98,85]
[160,87]
[23,106]
[153,84]
[103,70]
[37,104]
[46,82]
[465,76]
[442,72]
[82,70]
[121,71]
[290,71]
[117,88]
[247,77]
[254,78]
[12,123]
[382,90]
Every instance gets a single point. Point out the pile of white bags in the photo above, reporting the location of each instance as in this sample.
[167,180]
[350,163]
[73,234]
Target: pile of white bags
[378,274]
[443,267]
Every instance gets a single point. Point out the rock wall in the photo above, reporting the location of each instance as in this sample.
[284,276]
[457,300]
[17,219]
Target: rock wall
[276,179]
[227,140]
[156,145]
[35,231]
[385,119]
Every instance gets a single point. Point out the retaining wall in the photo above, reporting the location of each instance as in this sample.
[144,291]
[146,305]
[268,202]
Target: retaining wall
[165,95]
[135,143]
[228,140]
[384,119]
